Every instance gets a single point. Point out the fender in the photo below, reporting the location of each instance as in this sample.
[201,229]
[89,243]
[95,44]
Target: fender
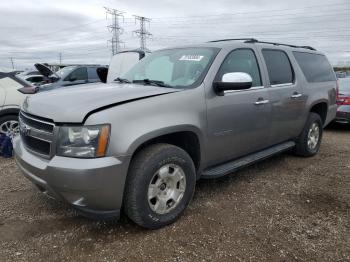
[168,131]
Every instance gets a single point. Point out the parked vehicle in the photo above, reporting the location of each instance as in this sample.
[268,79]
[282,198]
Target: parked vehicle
[68,76]
[36,80]
[29,73]
[141,142]
[12,89]
[341,75]
[343,101]
[120,64]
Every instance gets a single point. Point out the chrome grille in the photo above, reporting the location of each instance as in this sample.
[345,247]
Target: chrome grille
[37,134]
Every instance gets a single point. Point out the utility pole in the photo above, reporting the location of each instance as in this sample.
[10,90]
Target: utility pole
[60,57]
[115,29]
[13,64]
[142,33]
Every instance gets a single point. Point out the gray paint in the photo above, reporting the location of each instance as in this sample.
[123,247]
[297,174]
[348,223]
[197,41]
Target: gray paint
[227,126]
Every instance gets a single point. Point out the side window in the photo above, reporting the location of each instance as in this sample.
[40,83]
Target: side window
[78,74]
[241,60]
[92,73]
[278,66]
[315,67]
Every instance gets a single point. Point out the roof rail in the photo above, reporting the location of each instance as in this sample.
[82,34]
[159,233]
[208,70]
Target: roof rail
[234,39]
[253,40]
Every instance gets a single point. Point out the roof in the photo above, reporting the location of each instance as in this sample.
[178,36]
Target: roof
[251,41]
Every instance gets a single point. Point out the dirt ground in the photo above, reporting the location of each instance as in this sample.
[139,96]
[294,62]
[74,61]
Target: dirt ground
[283,209]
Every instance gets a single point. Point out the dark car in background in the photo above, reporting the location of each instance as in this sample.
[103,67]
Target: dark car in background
[68,76]
[343,101]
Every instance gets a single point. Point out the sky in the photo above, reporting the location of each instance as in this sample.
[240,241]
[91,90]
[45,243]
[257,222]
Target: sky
[39,30]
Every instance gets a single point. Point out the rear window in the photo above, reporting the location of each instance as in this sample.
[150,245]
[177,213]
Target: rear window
[278,66]
[315,67]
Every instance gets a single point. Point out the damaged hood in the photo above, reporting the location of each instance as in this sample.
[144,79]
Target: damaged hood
[72,104]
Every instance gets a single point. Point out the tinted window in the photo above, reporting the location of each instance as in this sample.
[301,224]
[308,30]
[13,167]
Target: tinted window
[241,60]
[278,66]
[79,74]
[315,67]
[92,72]
[35,79]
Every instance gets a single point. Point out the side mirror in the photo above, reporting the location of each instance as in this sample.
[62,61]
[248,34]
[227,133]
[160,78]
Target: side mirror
[233,81]
[72,79]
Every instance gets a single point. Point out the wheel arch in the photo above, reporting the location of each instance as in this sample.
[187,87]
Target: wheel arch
[9,111]
[188,138]
[320,107]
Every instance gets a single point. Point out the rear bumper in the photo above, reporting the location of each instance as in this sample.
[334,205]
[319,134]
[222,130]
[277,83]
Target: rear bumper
[92,186]
[343,114]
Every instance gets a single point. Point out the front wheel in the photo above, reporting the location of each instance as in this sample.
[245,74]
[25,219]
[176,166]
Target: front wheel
[9,125]
[160,185]
[309,142]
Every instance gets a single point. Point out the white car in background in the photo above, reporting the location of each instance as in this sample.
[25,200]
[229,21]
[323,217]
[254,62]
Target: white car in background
[120,63]
[13,91]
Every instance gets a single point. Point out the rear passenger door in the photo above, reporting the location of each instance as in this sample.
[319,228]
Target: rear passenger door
[286,96]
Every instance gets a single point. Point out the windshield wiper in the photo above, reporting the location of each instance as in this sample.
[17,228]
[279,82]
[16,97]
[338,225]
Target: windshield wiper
[152,82]
[122,80]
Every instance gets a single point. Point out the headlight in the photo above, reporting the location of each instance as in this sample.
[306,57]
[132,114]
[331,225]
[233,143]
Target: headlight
[83,141]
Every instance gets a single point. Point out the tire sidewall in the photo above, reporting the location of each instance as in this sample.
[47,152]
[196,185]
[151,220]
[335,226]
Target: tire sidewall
[313,119]
[163,158]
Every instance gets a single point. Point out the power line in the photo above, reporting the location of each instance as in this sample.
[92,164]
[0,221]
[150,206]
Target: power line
[142,33]
[115,28]
[341,4]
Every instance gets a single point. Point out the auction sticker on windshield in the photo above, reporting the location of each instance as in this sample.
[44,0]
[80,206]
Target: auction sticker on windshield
[191,58]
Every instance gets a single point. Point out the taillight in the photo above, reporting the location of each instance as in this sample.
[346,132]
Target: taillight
[343,100]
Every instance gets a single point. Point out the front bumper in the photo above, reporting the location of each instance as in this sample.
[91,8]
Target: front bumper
[92,186]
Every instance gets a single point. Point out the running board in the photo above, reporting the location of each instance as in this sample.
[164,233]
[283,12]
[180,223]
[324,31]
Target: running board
[234,165]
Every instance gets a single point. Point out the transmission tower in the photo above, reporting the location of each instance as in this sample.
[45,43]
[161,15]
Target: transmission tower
[142,33]
[115,29]
[12,63]
[60,58]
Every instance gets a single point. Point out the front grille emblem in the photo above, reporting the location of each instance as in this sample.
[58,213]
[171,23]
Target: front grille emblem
[24,129]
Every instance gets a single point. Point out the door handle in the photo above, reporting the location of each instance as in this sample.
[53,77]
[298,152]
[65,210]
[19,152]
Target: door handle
[296,95]
[261,102]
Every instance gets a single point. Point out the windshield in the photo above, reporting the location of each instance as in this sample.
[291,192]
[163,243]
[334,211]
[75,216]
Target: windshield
[64,71]
[182,67]
[344,85]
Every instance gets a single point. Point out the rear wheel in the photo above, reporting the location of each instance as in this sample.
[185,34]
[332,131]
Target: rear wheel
[9,125]
[309,142]
[160,185]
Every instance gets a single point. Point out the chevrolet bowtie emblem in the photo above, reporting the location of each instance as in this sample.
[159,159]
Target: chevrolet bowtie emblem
[25,130]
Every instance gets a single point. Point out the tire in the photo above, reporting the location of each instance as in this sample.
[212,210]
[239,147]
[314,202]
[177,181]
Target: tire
[146,171]
[303,147]
[7,122]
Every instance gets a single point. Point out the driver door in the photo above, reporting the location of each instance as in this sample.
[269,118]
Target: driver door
[238,120]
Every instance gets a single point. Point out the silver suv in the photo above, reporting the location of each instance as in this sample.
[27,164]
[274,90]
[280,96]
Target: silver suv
[139,144]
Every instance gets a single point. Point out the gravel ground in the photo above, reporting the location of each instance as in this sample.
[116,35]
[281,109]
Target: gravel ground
[283,209]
